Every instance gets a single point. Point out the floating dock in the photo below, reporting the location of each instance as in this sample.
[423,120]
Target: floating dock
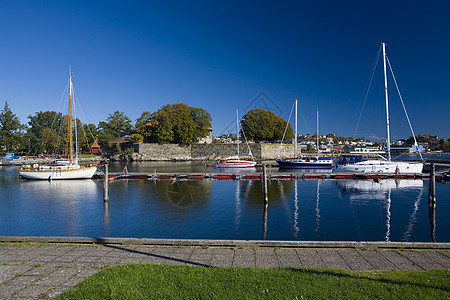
[271,176]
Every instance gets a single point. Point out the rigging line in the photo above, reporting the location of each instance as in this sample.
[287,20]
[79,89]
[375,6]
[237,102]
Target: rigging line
[303,116]
[85,119]
[284,134]
[245,138]
[404,108]
[374,67]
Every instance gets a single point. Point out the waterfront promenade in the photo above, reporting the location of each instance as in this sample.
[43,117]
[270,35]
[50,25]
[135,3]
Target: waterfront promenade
[34,269]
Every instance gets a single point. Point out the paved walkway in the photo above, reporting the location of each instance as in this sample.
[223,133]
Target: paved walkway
[34,271]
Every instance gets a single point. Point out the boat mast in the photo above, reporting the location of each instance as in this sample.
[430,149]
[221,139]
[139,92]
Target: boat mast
[317,130]
[295,134]
[388,142]
[70,118]
[237,131]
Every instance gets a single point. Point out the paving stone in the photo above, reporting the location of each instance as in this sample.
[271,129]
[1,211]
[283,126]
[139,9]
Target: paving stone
[399,260]
[266,261]
[332,259]
[87,273]
[223,253]
[356,261]
[67,272]
[310,259]
[221,263]
[378,261]
[41,271]
[244,258]
[439,258]
[35,291]
[51,281]
[421,260]
[288,258]
[70,283]
[7,292]
[22,280]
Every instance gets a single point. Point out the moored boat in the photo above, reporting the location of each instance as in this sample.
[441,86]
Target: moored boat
[357,164]
[305,162]
[235,162]
[61,169]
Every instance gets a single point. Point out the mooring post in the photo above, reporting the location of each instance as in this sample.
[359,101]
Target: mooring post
[432,186]
[264,184]
[105,184]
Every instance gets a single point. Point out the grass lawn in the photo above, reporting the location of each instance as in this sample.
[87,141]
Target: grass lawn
[88,155]
[180,282]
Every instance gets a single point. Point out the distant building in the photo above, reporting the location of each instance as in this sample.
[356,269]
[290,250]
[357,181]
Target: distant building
[406,149]
[364,150]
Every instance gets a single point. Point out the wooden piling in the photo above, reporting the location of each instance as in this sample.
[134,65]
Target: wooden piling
[106,184]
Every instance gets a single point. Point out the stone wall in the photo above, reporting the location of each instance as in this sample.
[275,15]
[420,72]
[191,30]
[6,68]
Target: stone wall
[209,151]
[163,152]
[213,151]
[270,151]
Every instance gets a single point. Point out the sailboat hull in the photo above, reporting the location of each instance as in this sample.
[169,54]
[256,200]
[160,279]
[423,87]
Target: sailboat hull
[58,173]
[378,166]
[301,163]
[235,163]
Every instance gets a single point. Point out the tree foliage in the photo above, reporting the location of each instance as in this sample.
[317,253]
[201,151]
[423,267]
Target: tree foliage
[263,125]
[11,130]
[174,123]
[117,124]
[43,131]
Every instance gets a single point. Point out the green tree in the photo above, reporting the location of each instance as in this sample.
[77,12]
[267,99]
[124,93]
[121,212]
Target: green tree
[117,124]
[263,125]
[136,138]
[11,130]
[144,127]
[88,137]
[180,123]
[43,131]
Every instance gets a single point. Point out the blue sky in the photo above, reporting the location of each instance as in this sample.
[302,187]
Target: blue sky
[136,56]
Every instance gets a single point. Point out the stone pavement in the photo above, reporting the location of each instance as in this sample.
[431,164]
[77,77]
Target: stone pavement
[36,271]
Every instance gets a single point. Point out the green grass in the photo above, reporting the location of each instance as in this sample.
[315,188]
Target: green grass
[180,282]
[88,155]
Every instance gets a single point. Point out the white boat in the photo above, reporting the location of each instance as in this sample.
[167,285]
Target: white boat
[61,169]
[357,164]
[235,162]
[305,162]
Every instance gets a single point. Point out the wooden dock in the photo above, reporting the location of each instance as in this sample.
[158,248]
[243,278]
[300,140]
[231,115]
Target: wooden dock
[271,176]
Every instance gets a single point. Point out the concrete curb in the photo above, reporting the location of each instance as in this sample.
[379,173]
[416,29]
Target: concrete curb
[226,243]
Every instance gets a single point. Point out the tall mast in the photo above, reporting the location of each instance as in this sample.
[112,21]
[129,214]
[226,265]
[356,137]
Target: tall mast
[317,130]
[295,133]
[237,131]
[70,118]
[388,142]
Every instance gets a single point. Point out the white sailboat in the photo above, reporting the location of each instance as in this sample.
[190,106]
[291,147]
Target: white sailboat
[232,162]
[357,164]
[61,169]
[305,162]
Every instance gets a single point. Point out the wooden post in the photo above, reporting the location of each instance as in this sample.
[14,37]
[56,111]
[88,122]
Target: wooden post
[432,186]
[106,184]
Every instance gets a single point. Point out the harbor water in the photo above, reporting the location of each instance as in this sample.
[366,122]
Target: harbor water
[298,210]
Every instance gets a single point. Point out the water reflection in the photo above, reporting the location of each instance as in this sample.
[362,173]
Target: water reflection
[69,198]
[180,194]
[368,192]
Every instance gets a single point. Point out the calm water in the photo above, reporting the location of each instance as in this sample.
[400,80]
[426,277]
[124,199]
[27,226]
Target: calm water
[298,209]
